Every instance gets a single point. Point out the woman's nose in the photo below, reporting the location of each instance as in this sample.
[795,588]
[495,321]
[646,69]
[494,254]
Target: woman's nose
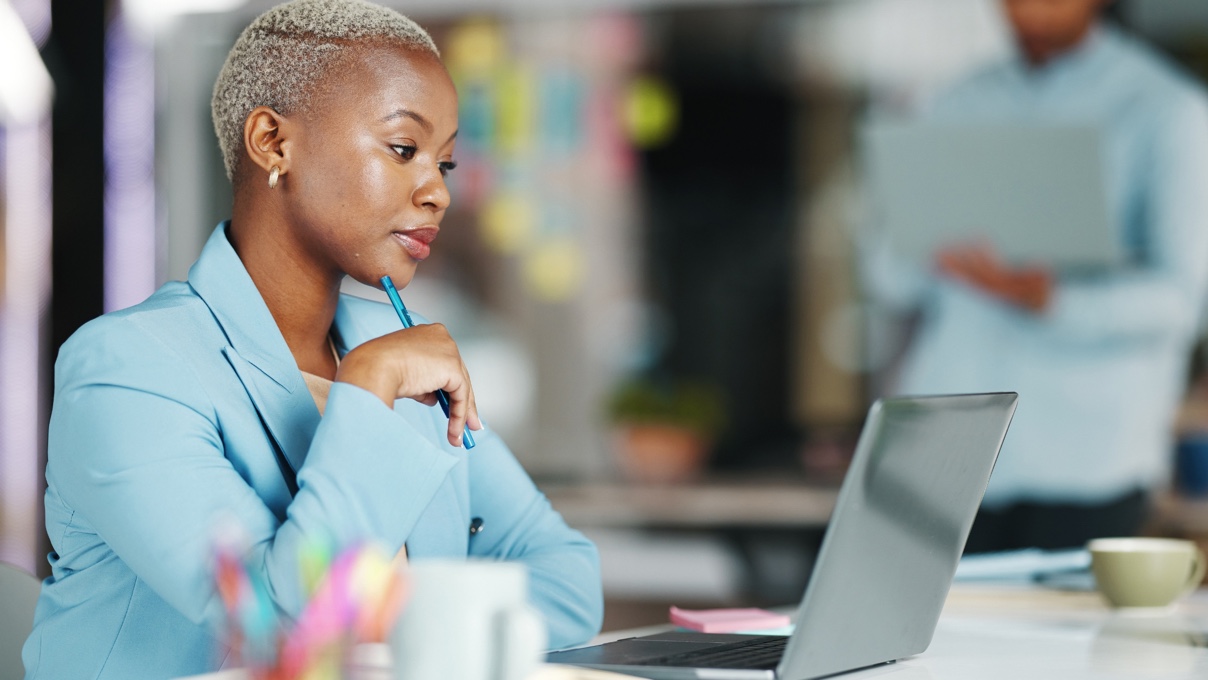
[432,194]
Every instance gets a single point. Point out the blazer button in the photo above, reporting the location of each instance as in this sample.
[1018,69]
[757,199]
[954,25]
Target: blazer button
[475,526]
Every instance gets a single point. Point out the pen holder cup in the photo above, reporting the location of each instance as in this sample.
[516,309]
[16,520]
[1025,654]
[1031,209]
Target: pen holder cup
[468,620]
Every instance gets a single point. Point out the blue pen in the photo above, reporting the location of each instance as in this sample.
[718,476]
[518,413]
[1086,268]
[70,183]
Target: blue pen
[467,439]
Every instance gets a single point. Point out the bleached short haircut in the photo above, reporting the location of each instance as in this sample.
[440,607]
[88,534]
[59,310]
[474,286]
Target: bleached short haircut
[285,52]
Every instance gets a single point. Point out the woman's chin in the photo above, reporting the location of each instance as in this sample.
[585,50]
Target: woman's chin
[399,276]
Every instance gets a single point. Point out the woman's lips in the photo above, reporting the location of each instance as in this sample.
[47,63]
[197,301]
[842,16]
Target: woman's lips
[417,241]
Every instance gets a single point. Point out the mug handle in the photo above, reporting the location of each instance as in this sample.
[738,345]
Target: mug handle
[520,639]
[1197,572]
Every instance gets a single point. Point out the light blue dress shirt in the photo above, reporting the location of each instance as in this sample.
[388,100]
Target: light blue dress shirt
[1100,373]
[156,436]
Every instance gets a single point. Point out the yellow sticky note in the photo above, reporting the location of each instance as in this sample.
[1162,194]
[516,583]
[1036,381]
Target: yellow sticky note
[555,271]
[651,112]
[507,222]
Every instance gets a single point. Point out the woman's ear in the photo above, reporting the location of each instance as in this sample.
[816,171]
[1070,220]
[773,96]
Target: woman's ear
[266,140]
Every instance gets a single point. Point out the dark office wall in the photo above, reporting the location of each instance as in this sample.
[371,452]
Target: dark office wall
[720,216]
[74,54]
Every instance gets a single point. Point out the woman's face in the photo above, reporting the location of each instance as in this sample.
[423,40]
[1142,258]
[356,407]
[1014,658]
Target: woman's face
[366,179]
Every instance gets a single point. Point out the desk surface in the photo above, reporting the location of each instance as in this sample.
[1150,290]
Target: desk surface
[1013,632]
[991,633]
[1007,633]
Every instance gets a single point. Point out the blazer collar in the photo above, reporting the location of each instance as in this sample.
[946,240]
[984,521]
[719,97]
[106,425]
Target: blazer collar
[223,283]
[258,353]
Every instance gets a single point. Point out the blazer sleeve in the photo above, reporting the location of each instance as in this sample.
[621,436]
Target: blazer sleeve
[136,451]
[520,525]
[1161,297]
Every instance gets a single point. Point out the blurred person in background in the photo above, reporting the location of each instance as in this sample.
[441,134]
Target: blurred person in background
[1099,359]
[256,393]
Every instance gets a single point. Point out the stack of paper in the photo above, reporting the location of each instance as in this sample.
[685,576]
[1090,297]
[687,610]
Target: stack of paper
[1022,565]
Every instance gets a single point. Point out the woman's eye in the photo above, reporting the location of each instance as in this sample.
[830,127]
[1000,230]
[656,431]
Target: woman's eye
[404,151]
[446,167]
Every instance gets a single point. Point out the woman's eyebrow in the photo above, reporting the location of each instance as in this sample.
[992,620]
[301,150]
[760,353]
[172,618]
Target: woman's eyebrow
[404,113]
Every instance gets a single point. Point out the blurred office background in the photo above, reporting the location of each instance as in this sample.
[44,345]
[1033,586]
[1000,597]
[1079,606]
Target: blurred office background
[648,264]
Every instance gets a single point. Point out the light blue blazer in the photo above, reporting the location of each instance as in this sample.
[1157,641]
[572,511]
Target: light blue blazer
[158,433]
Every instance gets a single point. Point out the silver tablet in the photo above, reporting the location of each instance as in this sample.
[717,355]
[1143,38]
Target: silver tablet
[1036,192]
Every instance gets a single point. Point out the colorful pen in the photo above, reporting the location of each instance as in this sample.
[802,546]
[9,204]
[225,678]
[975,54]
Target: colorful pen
[467,439]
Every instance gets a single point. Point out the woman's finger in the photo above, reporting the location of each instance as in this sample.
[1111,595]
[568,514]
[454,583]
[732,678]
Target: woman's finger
[472,420]
[459,397]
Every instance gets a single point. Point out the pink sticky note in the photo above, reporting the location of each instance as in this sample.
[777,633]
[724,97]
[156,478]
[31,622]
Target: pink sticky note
[727,620]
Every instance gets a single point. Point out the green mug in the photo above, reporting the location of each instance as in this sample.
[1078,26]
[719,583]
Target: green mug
[1145,572]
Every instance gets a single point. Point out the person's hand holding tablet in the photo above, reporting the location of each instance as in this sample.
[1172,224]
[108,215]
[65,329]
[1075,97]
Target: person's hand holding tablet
[978,265]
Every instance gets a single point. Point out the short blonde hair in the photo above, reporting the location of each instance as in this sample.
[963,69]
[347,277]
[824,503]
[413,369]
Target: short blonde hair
[280,56]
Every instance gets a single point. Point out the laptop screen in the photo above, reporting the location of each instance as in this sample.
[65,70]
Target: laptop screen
[898,530]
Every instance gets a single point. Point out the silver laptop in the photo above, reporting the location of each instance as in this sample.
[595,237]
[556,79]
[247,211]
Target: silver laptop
[891,549]
[1036,192]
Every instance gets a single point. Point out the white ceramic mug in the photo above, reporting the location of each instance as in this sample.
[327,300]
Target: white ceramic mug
[467,621]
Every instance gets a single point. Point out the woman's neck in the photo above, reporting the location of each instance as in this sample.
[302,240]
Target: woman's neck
[300,295]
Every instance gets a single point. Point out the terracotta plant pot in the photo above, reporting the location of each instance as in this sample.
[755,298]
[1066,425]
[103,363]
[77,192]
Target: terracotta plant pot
[659,454]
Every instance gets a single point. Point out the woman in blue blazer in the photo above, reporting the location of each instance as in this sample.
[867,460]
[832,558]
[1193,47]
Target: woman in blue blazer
[255,393]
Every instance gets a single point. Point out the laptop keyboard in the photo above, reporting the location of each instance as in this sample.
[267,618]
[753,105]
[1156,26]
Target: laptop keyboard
[758,653]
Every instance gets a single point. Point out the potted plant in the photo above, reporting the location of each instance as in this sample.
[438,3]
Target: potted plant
[663,431]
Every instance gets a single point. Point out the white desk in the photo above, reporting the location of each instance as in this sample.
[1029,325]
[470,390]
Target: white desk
[992,633]
[1008,633]
[1013,633]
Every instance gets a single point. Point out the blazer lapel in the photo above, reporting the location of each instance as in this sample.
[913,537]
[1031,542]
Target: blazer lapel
[257,352]
[290,417]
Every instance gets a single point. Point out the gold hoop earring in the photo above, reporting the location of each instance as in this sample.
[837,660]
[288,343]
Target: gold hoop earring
[272,177]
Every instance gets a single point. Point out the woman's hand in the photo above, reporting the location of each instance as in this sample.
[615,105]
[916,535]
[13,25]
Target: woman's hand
[414,363]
